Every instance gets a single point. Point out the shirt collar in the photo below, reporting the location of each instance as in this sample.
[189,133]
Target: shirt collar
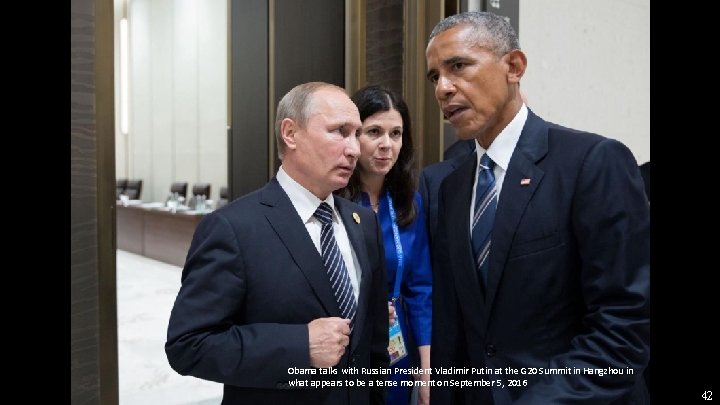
[305,202]
[501,149]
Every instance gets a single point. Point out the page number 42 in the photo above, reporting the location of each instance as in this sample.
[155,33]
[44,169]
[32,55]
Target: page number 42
[707,395]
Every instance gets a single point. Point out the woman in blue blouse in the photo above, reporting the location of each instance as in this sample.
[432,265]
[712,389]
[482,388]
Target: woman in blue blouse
[385,180]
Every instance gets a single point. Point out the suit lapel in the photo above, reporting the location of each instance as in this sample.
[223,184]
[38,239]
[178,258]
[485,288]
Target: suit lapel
[458,193]
[357,239]
[515,195]
[287,224]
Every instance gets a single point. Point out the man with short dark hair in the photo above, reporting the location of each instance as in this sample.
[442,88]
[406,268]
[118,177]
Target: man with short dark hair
[541,262]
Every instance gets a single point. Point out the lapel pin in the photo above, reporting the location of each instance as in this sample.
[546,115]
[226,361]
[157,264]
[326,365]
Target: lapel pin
[356,217]
[525,182]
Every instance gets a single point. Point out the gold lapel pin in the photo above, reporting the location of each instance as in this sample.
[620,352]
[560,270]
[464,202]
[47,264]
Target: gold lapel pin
[525,182]
[356,217]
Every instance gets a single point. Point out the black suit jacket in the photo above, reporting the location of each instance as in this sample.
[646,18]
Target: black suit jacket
[252,281]
[461,147]
[569,277]
[432,176]
[645,172]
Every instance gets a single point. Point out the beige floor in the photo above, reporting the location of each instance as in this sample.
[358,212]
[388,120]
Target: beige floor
[146,290]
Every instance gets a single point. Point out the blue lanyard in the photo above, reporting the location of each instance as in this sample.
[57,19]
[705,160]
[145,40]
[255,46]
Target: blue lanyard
[398,249]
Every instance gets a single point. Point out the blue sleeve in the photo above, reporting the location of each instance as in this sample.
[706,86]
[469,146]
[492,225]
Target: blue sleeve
[417,280]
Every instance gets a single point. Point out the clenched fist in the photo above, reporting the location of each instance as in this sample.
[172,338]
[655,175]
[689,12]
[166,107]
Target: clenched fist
[328,339]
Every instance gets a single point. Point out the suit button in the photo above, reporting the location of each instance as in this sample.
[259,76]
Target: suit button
[490,350]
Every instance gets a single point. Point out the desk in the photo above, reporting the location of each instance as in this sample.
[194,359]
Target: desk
[155,233]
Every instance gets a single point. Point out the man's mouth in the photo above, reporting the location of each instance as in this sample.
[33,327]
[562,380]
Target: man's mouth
[452,111]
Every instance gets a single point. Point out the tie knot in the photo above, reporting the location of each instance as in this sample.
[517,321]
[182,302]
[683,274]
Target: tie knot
[324,213]
[486,162]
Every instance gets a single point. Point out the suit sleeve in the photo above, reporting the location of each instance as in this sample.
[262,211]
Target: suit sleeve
[378,309]
[611,224]
[205,339]
[448,346]
[429,197]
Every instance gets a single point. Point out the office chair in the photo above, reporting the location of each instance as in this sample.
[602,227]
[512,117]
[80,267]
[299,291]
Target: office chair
[179,187]
[133,189]
[224,197]
[120,187]
[198,189]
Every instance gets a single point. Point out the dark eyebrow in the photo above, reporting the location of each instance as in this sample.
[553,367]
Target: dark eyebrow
[447,62]
[452,60]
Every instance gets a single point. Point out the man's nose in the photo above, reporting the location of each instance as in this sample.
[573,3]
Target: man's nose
[352,147]
[444,88]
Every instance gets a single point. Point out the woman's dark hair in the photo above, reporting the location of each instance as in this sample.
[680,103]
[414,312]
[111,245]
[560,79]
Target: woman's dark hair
[401,179]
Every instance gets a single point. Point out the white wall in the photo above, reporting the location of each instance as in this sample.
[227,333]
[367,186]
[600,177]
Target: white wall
[178,96]
[589,66]
[120,140]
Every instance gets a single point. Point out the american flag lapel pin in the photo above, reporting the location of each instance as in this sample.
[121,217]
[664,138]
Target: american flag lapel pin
[356,217]
[525,182]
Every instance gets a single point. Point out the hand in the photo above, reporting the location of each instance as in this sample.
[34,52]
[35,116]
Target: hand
[328,339]
[391,313]
[424,392]
[423,395]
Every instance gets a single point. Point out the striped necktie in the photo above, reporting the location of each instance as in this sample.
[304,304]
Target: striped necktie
[335,265]
[484,216]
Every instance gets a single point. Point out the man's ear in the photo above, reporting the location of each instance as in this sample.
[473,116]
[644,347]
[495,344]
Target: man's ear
[288,130]
[516,62]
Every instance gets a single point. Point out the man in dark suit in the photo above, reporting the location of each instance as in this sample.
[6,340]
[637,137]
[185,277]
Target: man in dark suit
[542,293]
[257,310]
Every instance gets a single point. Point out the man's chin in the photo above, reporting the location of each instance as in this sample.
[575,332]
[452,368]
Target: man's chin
[465,135]
[340,182]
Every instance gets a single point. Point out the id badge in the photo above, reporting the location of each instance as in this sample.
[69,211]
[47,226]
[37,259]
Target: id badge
[396,348]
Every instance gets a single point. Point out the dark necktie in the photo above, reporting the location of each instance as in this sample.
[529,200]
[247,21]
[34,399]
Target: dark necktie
[484,216]
[335,265]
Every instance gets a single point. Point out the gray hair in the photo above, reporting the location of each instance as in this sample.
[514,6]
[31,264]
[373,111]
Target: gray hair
[296,104]
[492,31]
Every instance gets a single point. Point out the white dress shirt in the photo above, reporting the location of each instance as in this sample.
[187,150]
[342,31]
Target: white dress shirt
[306,203]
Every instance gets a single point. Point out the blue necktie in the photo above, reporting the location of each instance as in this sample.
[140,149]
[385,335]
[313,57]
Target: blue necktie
[335,265]
[484,216]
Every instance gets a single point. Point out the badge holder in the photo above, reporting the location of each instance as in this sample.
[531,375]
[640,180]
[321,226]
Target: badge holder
[396,347]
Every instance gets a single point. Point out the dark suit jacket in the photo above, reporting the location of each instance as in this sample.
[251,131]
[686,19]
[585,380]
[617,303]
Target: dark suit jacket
[568,282]
[461,147]
[432,176]
[252,281]
[645,172]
